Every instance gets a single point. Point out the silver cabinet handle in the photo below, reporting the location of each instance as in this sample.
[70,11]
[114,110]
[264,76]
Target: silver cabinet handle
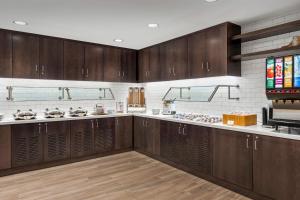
[146,122]
[146,73]
[40,127]
[143,123]
[92,123]
[82,72]
[174,74]
[170,70]
[36,68]
[43,70]
[97,123]
[46,127]
[179,129]
[117,122]
[183,130]
[87,72]
[123,74]
[255,143]
[247,141]
[207,66]
[119,73]
[202,66]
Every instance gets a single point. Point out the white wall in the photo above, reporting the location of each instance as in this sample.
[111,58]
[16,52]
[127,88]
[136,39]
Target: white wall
[251,92]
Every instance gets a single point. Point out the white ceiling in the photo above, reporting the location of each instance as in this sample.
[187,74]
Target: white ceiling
[101,21]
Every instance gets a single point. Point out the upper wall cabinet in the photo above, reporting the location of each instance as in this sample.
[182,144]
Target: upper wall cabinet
[93,63]
[5,54]
[74,60]
[128,65]
[25,55]
[51,58]
[149,64]
[209,52]
[174,59]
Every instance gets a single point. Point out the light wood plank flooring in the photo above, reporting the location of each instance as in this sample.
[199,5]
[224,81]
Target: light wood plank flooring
[124,176]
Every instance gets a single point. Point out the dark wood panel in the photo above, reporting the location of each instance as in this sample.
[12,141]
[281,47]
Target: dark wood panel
[5,54]
[276,167]
[139,134]
[232,157]
[25,55]
[5,147]
[143,65]
[197,55]
[153,135]
[56,141]
[93,63]
[82,138]
[154,71]
[124,130]
[27,144]
[51,58]
[104,135]
[73,60]
[112,64]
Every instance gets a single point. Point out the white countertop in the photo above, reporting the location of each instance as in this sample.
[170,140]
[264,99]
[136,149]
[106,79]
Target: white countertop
[257,129]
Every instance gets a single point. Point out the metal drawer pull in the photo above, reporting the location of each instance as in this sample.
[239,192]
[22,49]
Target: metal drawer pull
[255,143]
[207,67]
[247,143]
[179,129]
[87,72]
[46,127]
[97,123]
[92,124]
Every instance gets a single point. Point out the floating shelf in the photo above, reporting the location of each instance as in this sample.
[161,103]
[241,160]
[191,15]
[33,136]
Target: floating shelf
[269,32]
[285,51]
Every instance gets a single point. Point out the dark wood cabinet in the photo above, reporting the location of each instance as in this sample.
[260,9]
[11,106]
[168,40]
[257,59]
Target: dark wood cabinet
[210,51]
[232,157]
[74,60]
[149,64]
[124,132]
[93,63]
[112,64]
[128,65]
[104,135]
[276,167]
[174,59]
[51,58]
[5,54]
[25,55]
[5,147]
[56,141]
[186,145]
[147,135]
[82,138]
[27,144]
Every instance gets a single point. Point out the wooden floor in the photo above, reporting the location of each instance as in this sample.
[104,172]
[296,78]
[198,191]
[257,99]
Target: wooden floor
[124,176]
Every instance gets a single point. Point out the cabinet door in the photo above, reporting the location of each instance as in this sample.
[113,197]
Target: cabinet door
[197,55]
[153,136]
[112,64]
[143,65]
[5,147]
[124,129]
[166,59]
[216,48]
[93,63]
[56,141]
[51,58]
[5,54]
[154,70]
[276,167]
[27,144]
[82,138]
[73,60]
[104,135]
[139,134]
[25,55]
[232,157]
[128,62]
[196,148]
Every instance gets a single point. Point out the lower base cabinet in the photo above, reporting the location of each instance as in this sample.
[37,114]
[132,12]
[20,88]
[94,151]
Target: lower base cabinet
[123,134]
[56,141]
[104,135]
[5,147]
[232,157]
[82,138]
[27,144]
[276,167]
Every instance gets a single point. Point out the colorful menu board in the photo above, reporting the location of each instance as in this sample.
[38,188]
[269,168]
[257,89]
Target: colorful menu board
[288,72]
[270,73]
[279,73]
[297,71]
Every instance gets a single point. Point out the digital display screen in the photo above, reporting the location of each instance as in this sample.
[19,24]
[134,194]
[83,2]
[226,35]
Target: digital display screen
[279,73]
[271,73]
[288,72]
[297,71]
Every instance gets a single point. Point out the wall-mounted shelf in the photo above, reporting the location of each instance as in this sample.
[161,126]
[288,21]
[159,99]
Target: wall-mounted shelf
[269,32]
[197,93]
[285,51]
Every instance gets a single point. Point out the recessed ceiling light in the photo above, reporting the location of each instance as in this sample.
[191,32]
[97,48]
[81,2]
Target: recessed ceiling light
[210,1]
[152,25]
[22,23]
[118,40]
